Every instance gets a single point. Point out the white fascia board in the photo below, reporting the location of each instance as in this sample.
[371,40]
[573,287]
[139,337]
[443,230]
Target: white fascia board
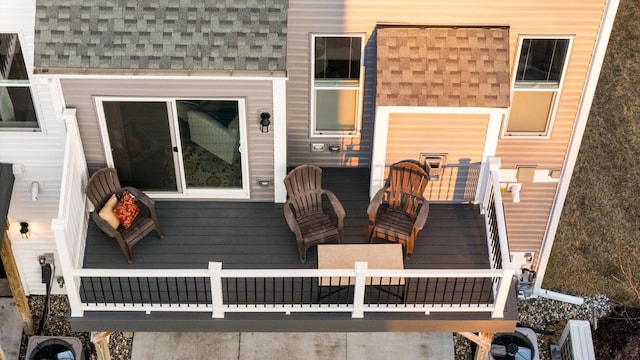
[160,77]
[582,115]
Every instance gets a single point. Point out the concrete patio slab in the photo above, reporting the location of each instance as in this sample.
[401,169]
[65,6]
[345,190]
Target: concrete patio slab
[395,345]
[185,346]
[10,328]
[299,346]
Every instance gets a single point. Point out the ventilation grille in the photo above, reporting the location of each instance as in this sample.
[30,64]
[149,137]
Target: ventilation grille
[575,342]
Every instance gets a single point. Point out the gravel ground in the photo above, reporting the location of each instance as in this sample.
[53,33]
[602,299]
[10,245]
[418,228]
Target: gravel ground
[542,314]
[56,324]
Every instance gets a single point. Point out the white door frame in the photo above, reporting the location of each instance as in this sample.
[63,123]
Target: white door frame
[183,192]
[381,132]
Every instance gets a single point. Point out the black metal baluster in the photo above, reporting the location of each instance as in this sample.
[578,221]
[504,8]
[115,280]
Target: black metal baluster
[104,297]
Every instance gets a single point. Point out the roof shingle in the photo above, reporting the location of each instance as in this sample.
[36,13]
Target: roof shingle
[162,34]
[443,66]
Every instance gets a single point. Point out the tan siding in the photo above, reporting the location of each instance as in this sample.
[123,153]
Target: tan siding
[573,17]
[412,134]
[527,220]
[579,18]
[257,94]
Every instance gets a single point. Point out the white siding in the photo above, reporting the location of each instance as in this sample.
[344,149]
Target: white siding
[39,154]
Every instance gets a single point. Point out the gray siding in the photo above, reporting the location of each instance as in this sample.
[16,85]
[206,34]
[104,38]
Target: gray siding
[326,17]
[80,94]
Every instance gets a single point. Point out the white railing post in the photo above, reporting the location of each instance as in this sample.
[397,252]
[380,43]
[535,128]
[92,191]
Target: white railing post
[495,163]
[215,271]
[69,228]
[72,283]
[358,292]
[503,290]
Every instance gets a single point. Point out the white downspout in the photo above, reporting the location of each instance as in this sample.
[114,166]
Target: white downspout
[599,50]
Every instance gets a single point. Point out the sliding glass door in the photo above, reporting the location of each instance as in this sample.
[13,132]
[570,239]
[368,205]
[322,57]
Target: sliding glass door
[141,144]
[188,147]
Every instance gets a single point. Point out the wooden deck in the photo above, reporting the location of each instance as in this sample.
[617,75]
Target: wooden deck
[249,235]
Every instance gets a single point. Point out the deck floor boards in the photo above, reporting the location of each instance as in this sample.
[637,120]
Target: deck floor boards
[253,235]
[250,235]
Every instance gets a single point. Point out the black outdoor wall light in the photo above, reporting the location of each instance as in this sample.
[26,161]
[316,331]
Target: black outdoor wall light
[24,230]
[265,121]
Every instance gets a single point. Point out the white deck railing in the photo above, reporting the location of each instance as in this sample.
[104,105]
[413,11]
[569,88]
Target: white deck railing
[70,227]
[291,291]
[222,291]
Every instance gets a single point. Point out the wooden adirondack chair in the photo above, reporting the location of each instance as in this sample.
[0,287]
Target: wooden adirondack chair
[102,185]
[304,213]
[407,208]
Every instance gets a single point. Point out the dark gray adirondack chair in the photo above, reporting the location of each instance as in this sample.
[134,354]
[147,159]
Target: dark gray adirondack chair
[104,183]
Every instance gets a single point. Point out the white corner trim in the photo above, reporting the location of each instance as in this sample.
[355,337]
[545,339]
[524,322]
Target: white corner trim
[593,74]
[279,116]
[379,153]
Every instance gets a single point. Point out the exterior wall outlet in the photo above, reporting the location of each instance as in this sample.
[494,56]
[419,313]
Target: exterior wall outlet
[522,260]
[317,147]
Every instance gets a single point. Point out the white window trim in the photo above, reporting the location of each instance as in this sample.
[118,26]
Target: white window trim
[313,87]
[29,83]
[183,192]
[539,87]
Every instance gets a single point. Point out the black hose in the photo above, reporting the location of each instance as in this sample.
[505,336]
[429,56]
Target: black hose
[536,330]
[47,275]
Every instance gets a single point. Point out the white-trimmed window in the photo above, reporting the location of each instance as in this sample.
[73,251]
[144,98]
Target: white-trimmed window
[16,104]
[536,88]
[336,84]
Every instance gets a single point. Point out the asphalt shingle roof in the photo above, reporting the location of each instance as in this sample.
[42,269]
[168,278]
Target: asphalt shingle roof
[162,34]
[449,66]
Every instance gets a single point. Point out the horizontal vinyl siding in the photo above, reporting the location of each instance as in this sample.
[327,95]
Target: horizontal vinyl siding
[461,136]
[573,17]
[40,155]
[80,93]
[527,220]
[578,18]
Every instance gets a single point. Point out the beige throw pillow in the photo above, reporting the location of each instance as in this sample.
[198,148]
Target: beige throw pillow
[107,212]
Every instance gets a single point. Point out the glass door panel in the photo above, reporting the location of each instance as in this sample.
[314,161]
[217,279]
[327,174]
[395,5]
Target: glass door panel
[210,140]
[141,145]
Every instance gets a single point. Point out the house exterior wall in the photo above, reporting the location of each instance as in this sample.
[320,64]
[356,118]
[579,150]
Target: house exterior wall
[36,155]
[527,220]
[81,93]
[412,134]
[573,17]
